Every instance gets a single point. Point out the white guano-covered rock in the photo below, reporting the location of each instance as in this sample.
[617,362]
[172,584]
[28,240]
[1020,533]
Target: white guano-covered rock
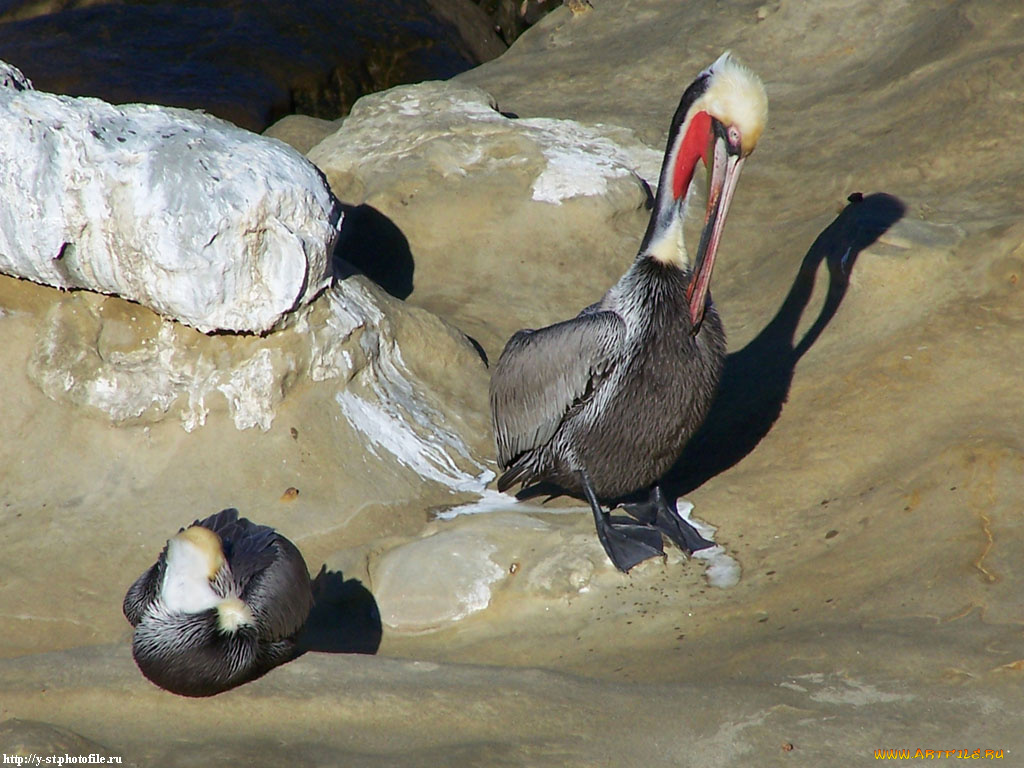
[454,130]
[189,215]
[12,78]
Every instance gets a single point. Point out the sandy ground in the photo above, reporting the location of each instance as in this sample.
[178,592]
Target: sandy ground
[863,463]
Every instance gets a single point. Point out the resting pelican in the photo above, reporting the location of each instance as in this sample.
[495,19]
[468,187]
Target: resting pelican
[221,606]
[603,404]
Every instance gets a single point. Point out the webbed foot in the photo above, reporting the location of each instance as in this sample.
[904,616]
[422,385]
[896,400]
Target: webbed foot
[656,512]
[627,543]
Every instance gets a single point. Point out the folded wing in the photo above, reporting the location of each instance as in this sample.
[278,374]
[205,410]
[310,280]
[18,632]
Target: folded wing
[541,375]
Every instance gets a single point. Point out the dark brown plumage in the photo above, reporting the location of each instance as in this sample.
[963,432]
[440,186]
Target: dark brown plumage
[221,606]
[603,404]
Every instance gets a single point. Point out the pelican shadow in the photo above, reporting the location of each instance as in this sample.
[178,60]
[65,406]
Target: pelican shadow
[344,618]
[756,380]
[372,244]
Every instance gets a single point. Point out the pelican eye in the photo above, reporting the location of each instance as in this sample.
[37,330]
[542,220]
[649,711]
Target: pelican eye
[734,136]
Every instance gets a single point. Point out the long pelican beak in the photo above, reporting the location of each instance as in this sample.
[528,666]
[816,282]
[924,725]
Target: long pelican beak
[724,173]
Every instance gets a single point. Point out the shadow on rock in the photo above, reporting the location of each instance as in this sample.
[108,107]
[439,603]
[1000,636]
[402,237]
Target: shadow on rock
[756,379]
[344,619]
[372,244]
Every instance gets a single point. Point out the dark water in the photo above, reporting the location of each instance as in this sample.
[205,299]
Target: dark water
[249,61]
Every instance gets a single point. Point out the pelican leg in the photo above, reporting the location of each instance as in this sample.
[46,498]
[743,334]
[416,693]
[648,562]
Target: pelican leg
[627,543]
[657,512]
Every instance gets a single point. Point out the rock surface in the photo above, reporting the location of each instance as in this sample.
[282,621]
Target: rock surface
[863,462]
[133,366]
[202,221]
[302,131]
[493,194]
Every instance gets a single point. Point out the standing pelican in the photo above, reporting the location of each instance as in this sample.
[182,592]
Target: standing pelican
[603,403]
[220,607]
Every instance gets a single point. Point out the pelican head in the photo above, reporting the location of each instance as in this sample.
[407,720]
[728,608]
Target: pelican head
[719,121]
[197,578]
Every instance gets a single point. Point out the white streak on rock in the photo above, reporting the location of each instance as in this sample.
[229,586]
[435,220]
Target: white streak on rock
[253,390]
[189,215]
[495,501]
[331,357]
[843,690]
[390,423]
[456,130]
[581,160]
[721,569]
[384,405]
